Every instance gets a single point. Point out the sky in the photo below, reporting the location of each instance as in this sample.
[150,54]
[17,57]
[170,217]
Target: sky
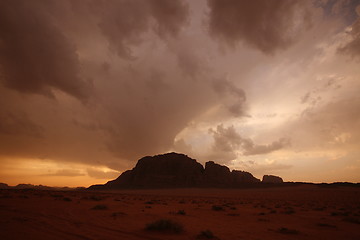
[266,86]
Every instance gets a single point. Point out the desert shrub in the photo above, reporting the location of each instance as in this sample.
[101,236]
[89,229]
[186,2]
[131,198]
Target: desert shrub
[352,220]
[207,234]
[56,195]
[326,225]
[284,230]
[181,212]
[165,225]
[117,214]
[67,199]
[289,210]
[217,208]
[96,198]
[344,214]
[100,207]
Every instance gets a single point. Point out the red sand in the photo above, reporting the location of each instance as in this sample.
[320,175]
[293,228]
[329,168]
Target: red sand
[306,212]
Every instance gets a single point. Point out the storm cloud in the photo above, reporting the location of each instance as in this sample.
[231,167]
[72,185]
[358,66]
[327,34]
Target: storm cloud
[268,26]
[35,56]
[99,84]
[228,142]
[352,47]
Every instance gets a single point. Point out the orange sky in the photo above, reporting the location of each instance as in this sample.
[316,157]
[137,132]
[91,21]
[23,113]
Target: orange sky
[88,87]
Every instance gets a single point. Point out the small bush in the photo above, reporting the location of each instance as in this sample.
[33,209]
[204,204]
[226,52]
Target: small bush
[165,225]
[287,231]
[289,210]
[96,198]
[352,220]
[117,214]
[100,207]
[217,208]
[326,225]
[67,199]
[207,234]
[233,214]
[181,212]
[56,195]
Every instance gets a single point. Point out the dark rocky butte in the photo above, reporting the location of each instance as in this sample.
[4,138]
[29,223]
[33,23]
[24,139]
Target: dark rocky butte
[174,170]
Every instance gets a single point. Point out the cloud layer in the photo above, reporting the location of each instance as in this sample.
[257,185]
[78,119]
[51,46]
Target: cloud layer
[267,26]
[102,83]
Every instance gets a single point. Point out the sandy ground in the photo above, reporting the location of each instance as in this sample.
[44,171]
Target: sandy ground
[305,212]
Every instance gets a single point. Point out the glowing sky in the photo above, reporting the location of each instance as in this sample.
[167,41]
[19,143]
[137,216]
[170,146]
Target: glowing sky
[267,86]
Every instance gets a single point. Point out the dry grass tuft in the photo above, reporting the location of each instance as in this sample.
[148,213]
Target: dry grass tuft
[165,225]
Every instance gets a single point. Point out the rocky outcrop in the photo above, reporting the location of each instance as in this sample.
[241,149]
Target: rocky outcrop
[173,170]
[4,186]
[242,177]
[272,179]
[161,171]
[216,175]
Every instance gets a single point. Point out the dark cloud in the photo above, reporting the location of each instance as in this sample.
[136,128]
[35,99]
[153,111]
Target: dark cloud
[170,16]
[125,22]
[252,149]
[35,56]
[352,47]
[234,97]
[341,8]
[155,106]
[265,25]
[189,64]
[137,107]
[227,141]
[18,124]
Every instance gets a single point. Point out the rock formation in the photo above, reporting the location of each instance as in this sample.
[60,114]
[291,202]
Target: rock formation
[272,179]
[167,170]
[216,175]
[4,186]
[241,177]
[173,170]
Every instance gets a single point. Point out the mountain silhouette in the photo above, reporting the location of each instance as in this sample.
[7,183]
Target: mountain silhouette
[175,170]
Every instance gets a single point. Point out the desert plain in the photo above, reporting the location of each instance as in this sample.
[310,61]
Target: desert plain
[297,212]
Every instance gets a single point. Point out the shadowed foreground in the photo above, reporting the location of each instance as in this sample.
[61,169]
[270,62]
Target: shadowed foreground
[304,212]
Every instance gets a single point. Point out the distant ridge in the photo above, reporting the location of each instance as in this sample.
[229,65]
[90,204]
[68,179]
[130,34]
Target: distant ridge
[175,170]
[23,186]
